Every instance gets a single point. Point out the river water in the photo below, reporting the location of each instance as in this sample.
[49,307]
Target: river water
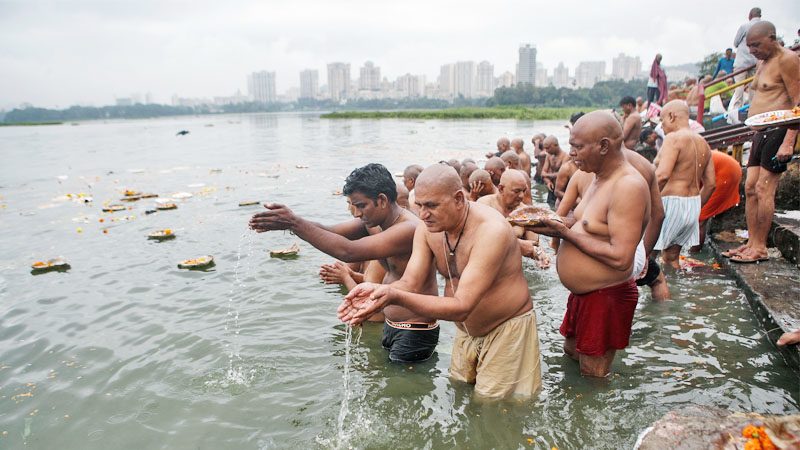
[125,350]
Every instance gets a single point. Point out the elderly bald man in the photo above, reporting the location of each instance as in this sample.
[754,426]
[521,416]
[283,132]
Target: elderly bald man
[776,86]
[518,145]
[554,158]
[466,170]
[486,294]
[686,180]
[596,254]
[510,195]
[503,145]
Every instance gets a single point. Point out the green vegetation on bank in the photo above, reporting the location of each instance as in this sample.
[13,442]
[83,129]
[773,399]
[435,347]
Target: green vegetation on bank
[28,124]
[518,113]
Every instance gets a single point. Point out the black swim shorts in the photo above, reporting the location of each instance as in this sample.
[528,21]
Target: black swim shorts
[765,147]
[409,345]
[653,271]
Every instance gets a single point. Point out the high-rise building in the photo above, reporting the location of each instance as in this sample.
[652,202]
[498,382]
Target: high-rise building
[526,68]
[506,79]
[261,87]
[625,67]
[370,77]
[541,75]
[589,72]
[464,79]
[446,81]
[484,83]
[560,76]
[309,83]
[339,81]
[411,86]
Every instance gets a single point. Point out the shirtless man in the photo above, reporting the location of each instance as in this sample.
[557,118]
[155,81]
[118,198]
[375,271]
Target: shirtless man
[480,184]
[776,86]
[402,196]
[631,123]
[652,276]
[684,165]
[381,230]
[495,166]
[524,158]
[466,170]
[486,294]
[596,255]
[539,155]
[511,159]
[566,172]
[503,145]
[509,197]
[552,163]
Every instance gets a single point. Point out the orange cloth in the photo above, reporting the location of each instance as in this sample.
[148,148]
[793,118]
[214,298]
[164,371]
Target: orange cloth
[726,195]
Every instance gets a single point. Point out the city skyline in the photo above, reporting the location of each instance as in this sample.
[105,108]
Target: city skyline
[108,51]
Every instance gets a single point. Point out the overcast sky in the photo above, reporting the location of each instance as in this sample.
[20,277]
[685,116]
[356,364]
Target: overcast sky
[60,53]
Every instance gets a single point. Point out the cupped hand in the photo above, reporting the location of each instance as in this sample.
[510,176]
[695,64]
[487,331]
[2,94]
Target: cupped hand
[277,217]
[363,301]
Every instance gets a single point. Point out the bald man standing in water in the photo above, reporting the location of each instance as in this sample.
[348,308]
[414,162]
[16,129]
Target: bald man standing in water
[524,158]
[552,164]
[686,179]
[510,195]
[381,230]
[596,255]
[486,294]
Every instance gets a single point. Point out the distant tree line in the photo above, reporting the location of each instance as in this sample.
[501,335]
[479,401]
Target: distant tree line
[140,111]
[604,94]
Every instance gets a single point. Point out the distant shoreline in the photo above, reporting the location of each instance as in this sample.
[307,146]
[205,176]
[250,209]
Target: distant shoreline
[28,124]
[517,113]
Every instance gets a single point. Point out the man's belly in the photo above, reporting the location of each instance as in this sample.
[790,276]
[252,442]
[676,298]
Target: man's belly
[581,273]
[397,313]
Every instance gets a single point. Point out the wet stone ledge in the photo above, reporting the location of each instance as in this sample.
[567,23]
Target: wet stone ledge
[773,290]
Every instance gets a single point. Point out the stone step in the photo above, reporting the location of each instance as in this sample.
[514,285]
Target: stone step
[773,290]
[785,235]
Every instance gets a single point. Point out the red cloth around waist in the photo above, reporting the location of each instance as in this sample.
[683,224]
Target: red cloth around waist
[601,320]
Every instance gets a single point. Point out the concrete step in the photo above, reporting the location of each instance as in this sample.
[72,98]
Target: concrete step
[785,236]
[773,290]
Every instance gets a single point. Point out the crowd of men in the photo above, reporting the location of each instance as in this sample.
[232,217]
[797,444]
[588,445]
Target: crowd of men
[616,212]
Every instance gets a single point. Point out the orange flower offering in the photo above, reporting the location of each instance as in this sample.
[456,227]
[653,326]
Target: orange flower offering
[757,438]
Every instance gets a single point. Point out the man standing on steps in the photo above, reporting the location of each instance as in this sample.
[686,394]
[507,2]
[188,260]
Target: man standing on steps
[776,86]
[381,230]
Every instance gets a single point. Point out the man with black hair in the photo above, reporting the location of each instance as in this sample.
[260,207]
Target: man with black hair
[381,230]
[647,144]
[631,122]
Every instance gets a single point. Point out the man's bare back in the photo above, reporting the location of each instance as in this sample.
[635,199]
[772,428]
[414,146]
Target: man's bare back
[683,160]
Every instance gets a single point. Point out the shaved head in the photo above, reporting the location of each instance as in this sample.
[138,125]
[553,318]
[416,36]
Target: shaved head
[512,176]
[465,172]
[439,177]
[511,159]
[480,175]
[494,162]
[503,144]
[762,28]
[674,116]
[598,125]
[517,144]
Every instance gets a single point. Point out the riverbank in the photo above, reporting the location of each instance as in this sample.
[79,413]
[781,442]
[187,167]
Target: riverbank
[517,113]
[28,124]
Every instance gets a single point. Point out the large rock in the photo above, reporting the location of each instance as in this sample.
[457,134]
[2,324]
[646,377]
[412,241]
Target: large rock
[702,427]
